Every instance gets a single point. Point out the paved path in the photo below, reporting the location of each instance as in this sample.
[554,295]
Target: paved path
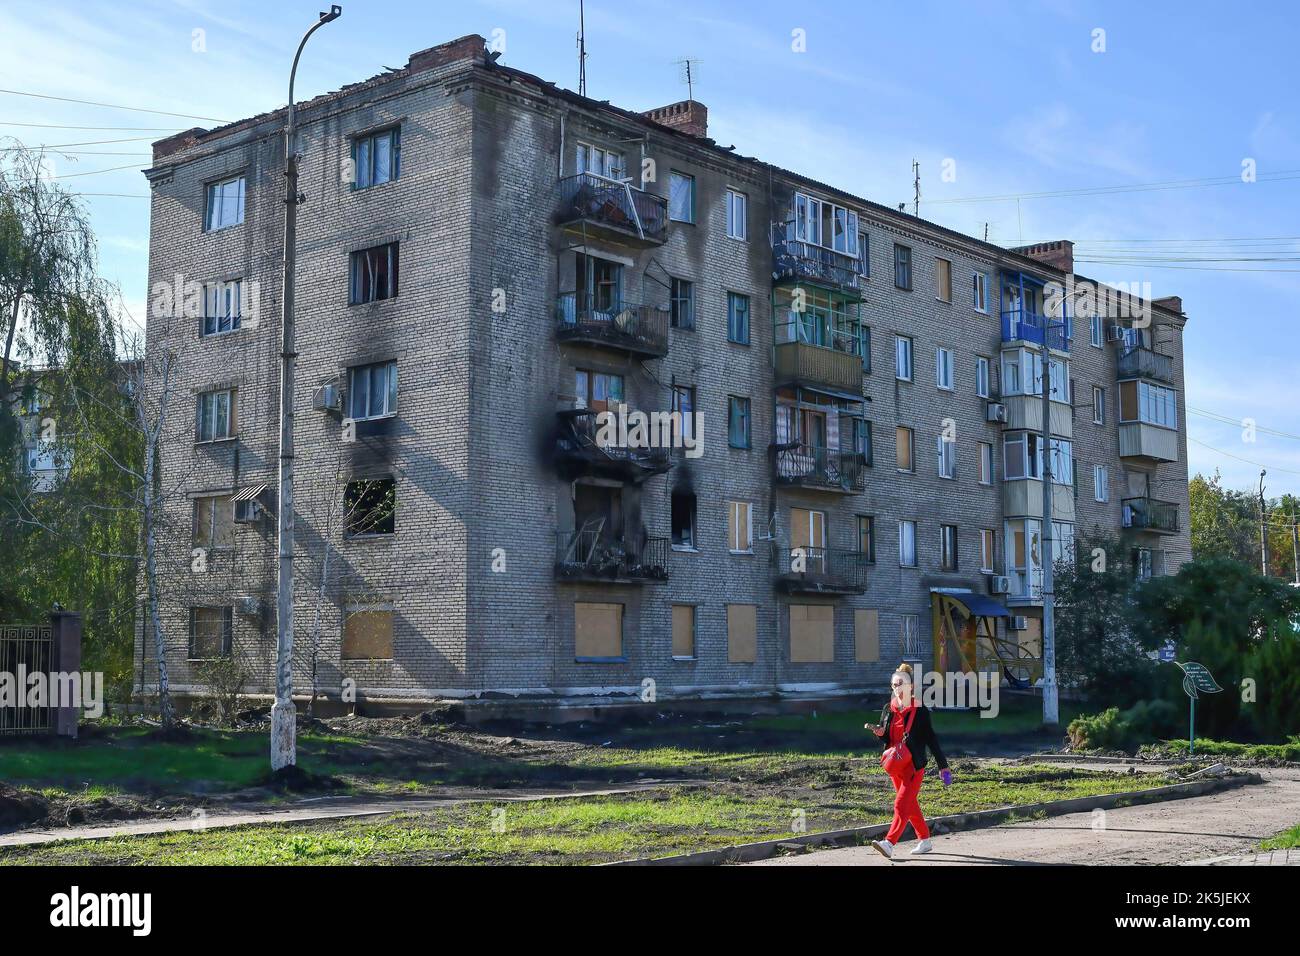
[313,808]
[1221,828]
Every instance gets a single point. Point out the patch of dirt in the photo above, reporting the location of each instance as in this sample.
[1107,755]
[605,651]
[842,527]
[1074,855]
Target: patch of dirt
[26,809]
[20,808]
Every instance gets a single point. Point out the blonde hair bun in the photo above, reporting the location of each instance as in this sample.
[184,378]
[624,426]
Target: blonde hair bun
[904,669]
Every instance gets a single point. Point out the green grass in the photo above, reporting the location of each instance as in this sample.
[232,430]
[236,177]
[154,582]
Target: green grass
[1017,715]
[1289,752]
[1286,840]
[585,830]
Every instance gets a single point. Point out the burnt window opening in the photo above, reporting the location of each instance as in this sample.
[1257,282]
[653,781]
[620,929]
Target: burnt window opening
[683,519]
[374,274]
[370,506]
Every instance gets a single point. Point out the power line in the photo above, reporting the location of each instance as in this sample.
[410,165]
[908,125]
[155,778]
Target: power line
[1158,265]
[1279,176]
[1229,420]
[1229,454]
[93,142]
[113,106]
[137,129]
[95,172]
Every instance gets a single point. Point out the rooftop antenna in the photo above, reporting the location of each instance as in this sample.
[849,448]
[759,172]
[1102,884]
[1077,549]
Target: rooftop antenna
[916,188]
[690,67]
[582,48]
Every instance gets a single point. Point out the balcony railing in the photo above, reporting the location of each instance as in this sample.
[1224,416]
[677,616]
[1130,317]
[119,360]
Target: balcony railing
[592,556]
[622,207]
[582,317]
[580,451]
[808,466]
[1137,362]
[799,363]
[1148,514]
[796,261]
[808,570]
[1026,584]
[1028,326]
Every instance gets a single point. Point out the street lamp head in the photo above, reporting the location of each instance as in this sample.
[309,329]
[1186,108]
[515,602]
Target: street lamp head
[335,11]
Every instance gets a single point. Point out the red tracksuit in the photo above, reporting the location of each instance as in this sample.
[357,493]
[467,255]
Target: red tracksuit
[906,808]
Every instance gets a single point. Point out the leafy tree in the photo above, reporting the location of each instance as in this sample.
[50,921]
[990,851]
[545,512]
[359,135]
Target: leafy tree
[1225,523]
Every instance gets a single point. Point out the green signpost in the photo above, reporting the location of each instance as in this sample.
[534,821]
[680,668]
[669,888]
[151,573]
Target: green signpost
[1196,677]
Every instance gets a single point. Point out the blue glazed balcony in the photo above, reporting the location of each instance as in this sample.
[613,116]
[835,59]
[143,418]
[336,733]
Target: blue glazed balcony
[1022,325]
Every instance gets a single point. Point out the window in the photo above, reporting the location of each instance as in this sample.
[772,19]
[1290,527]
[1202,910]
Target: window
[737,215]
[943,368]
[988,546]
[681,197]
[948,547]
[862,439]
[812,633]
[682,304]
[598,391]
[910,626]
[214,525]
[907,544]
[902,358]
[943,280]
[372,390]
[1100,483]
[601,162]
[597,631]
[986,462]
[1022,374]
[1095,331]
[867,537]
[225,203]
[1148,563]
[1062,461]
[683,520]
[683,632]
[370,506]
[1021,456]
[737,318]
[1145,402]
[374,274]
[904,448]
[742,633]
[864,255]
[1098,405]
[216,415]
[740,527]
[367,634]
[947,458]
[983,386]
[222,308]
[738,422]
[903,267]
[210,633]
[684,406]
[825,224]
[378,157]
[980,296]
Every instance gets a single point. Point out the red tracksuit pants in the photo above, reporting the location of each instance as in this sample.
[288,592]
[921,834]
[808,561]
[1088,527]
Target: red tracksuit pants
[907,810]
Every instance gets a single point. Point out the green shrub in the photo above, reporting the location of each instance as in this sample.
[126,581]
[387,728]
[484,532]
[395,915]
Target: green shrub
[1114,729]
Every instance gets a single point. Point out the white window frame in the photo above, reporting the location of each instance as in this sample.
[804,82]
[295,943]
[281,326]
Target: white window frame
[748,526]
[674,175]
[214,218]
[737,215]
[943,369]
[808,224]
[980,294]
[228,432]
[1095,332]
[947,458]
[1100,483]
[903,356]
[986,462]
[947,531]
[988,549]
[610,164]
[1098,405]
[983,377]
[906,542]
[222,301]
[390,390]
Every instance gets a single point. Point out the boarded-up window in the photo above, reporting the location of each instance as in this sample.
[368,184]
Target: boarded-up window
[742,633]
[740,532]
[943,279]
[812,633]
[368,635]
[866,635]
[597,630]
[903,447]
[683,630]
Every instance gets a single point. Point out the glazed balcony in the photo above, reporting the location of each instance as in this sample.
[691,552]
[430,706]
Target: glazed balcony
[807,570]
[795,262]
[1024,325]
[1138,362]
[637,329]
[588,556]
[1149,514]
[579,452]
[797,465]
[604,208]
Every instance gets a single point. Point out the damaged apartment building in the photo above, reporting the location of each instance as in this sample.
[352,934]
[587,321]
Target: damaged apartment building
[486,262]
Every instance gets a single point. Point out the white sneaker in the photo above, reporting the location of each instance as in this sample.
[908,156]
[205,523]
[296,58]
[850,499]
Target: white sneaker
[922,846]
[884,848]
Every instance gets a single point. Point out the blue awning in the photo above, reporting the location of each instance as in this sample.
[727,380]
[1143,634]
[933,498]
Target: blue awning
[977,603]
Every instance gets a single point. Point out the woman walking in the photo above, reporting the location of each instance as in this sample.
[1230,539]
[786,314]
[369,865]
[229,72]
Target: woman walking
[906,732]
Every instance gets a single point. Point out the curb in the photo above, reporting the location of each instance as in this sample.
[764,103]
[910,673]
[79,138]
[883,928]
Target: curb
[852,836]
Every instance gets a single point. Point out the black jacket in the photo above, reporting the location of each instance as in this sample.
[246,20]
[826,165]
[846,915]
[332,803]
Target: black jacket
[921,738]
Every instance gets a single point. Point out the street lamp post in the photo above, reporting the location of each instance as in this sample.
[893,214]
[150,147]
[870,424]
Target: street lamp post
[283,717]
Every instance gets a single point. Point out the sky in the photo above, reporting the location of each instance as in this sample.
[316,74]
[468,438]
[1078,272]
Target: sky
[1166,135]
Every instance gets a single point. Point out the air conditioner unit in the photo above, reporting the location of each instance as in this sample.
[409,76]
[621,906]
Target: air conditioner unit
[249,606]
[995,412]
[1017,623]
[1114,333]
[999,584]
[328,398]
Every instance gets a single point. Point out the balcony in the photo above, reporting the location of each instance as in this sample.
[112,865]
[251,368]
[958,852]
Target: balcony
[795,263]
[817,367]
[1138,362]
[1022,325]
[1023,498]
[797,465]
[588,556]
[579,452]
[1026,587]
[639,329]
[1147,443]
[807,570]
[1148,514]
[605,208]
[1025,413]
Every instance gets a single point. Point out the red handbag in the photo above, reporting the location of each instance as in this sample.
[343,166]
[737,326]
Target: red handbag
[896,761]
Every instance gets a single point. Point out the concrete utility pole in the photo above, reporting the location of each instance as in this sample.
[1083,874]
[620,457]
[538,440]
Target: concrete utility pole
[1263,528]
[1295,545]
[1051,712]
[284,727]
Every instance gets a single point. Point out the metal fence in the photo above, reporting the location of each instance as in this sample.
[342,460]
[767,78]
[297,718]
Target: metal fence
[26,649]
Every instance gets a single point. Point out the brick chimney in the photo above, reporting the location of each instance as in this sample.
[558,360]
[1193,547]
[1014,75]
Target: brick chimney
[1058,254]
[1172,302]
[468,47]
[689,116]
